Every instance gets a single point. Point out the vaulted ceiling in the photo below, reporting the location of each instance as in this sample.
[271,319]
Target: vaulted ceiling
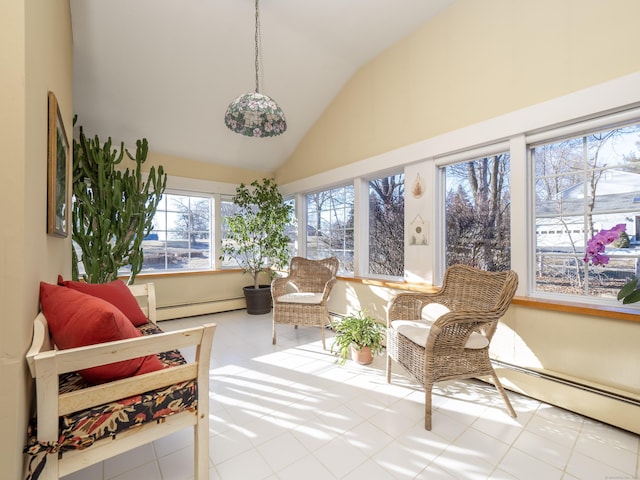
[166,70]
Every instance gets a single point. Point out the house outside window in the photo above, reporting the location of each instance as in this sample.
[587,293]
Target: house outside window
[478,213]
[181,235]
[386,226]
[584,184]
[330,218]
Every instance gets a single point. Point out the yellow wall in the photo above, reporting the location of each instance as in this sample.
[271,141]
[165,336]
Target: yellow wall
[473,62]
[183,167]
[35,54]
[199,293]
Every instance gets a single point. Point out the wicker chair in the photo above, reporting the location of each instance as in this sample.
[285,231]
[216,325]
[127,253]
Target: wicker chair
[445,335]
[301,298]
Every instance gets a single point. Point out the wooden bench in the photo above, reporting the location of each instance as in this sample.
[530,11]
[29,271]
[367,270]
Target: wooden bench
[56,454]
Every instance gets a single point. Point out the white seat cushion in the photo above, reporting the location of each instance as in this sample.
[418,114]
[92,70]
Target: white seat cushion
[434,311]
[301,297]
[418,330]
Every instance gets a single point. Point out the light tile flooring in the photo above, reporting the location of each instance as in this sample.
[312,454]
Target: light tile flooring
[289,412]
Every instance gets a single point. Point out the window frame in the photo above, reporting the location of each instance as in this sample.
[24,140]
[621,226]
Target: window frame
[614,101]
[190,194]
[576,130]
[354,185]
[440,163]
[363,246]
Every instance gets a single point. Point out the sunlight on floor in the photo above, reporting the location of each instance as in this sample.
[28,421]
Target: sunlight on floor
[290,411]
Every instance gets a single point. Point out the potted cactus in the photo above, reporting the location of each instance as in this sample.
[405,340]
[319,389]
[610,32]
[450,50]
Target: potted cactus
[113,208]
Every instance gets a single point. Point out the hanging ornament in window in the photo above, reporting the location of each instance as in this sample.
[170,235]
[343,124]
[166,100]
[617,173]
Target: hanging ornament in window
[417,189]
[418,232]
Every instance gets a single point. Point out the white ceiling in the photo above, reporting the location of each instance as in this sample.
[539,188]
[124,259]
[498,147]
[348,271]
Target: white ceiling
[166,70]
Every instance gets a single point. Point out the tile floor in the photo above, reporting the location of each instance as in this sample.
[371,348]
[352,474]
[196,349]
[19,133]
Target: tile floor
[290,412]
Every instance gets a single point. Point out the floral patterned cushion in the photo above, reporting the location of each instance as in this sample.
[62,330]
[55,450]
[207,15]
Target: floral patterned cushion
[80,430]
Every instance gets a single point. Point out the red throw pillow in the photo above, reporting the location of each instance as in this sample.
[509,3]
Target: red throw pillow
[116,293]
[76,320]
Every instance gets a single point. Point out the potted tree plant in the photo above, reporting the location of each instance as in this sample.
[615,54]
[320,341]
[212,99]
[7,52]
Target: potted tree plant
[256,239]
[359,334]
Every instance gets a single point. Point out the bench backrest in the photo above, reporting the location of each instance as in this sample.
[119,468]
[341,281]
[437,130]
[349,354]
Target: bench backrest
[145,295]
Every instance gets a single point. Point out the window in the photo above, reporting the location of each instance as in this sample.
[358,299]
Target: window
[584,184]
[181,235]
[291,230]
[227,209]
[478,213]
[386,226]
[330,226]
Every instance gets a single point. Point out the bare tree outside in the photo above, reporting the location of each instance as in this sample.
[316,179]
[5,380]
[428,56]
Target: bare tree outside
[478,214]
[181,235]
[585,184]
[193,219]
[386,226]
[330,226]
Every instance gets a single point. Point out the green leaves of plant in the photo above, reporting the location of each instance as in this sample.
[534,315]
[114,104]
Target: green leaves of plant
[629,293]
[359,329]
[256,233]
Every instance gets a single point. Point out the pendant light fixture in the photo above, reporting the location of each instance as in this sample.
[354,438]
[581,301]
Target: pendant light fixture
[254,114]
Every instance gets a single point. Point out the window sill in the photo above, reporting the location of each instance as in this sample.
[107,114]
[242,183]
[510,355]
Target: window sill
[603,311]
[181,273]
[398,285]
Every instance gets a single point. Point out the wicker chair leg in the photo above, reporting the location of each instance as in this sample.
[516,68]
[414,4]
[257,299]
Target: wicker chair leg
[324,346]
[500,388]
[330,322]
[273,338]
[427,406]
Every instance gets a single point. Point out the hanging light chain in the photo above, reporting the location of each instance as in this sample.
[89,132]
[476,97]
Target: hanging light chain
[254,114]
[257,38]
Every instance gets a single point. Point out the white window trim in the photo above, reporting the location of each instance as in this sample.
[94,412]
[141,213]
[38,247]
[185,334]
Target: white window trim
[212,245]
[579,128]
[360,227]
[619,97]
[462,157]
[614,101]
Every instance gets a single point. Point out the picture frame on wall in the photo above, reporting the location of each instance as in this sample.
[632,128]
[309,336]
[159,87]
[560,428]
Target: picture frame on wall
[58,164]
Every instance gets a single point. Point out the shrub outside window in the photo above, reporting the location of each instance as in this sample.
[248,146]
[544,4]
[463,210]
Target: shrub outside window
[478,213]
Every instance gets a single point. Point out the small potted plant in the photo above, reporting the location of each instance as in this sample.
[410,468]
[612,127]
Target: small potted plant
[359,334]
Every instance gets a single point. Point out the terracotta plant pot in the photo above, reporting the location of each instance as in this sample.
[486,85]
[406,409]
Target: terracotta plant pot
[362,356]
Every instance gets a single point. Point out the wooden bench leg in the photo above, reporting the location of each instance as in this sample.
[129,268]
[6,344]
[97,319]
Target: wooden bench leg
[201,448]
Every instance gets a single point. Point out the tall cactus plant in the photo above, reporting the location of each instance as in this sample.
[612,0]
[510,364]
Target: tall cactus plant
[113,208]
